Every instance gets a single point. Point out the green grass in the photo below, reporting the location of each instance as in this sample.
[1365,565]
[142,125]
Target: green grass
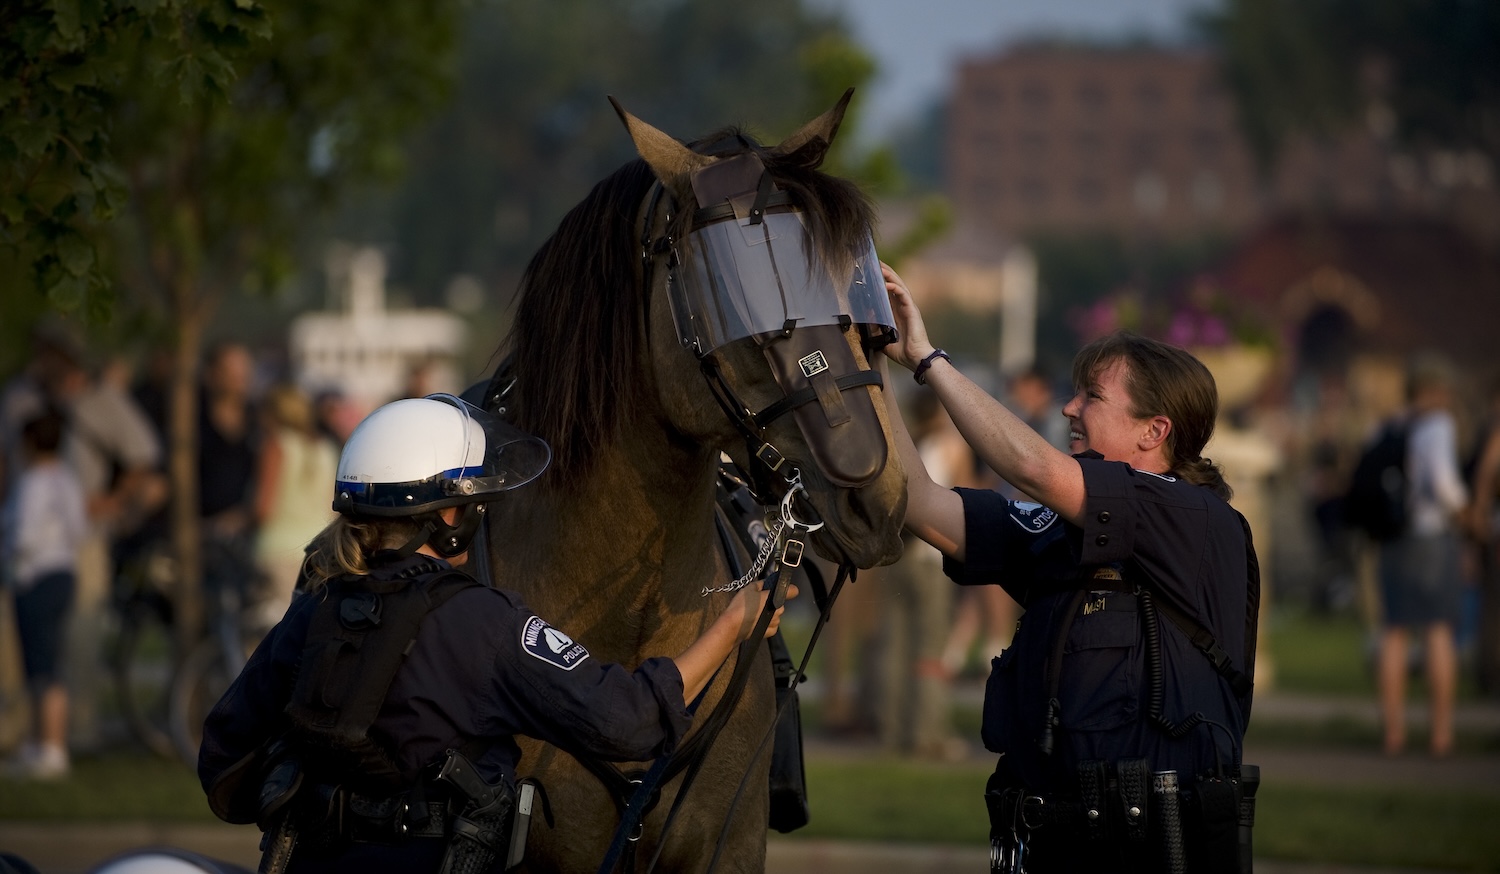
[895,800]
[112,788]
[1331,655]
[891,799]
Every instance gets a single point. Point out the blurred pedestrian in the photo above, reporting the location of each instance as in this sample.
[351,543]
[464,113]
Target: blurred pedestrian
[296,465]
[114,451]
[917,711]
[228,445]
[45,525]
[1483,520]
[1420,582]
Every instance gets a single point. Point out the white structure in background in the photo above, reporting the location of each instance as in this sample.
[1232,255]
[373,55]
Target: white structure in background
[365,351]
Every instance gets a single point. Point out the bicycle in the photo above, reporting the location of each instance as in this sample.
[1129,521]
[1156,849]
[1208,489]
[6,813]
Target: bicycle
[144,656]
[236,625]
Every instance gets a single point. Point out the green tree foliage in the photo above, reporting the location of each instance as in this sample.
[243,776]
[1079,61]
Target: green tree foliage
[66,68]
[530,130]
[1428,71]
[175,149]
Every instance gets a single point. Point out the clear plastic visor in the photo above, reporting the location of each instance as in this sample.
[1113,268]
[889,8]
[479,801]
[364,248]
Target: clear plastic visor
[507,457]
[740,279]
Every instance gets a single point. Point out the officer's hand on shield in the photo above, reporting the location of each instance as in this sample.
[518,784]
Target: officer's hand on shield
[912,345]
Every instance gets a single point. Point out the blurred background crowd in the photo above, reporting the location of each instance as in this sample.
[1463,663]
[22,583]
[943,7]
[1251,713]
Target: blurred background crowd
[219,255]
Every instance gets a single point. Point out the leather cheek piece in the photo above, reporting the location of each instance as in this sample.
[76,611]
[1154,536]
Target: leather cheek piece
[842,429]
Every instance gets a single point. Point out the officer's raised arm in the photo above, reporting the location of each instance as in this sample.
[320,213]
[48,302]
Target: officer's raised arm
[1021,456]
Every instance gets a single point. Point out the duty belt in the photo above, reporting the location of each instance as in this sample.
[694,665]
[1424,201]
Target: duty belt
[1100,801]
[384,820]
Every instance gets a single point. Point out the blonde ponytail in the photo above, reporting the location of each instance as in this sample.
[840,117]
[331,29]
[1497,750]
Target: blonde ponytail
[346,544]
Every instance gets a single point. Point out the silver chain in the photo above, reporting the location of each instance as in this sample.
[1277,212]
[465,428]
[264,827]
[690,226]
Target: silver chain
[768,546]
[787,519]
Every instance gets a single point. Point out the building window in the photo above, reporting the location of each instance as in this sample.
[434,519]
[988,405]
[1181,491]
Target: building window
[1149,194]
[1208,144]
[1035,96]
[1089,144]
[988,144]
[1208,192]
[988,95]
[1149,95]
[1033,192]
[988,191]
[1090,191]
[1143,150]
[1092,96]
[1033,145]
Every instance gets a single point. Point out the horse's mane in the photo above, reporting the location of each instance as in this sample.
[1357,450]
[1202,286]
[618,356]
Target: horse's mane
[579,337]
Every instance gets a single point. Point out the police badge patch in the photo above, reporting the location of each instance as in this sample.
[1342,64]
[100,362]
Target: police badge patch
[552,646]
[1032,517]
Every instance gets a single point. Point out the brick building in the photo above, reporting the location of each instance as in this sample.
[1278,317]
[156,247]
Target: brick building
[1146,141]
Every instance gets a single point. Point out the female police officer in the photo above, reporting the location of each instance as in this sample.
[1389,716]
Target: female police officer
[1141,588]
[372,729]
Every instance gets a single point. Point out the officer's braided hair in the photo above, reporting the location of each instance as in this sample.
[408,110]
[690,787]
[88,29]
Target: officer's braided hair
[346,544]
[1164,380]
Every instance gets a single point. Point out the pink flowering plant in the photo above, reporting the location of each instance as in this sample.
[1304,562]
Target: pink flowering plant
[1204,317]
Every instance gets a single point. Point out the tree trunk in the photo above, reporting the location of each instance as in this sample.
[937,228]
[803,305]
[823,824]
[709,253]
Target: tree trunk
[183,449]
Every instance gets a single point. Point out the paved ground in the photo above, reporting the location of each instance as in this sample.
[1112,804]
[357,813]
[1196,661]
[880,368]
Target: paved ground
[75,849]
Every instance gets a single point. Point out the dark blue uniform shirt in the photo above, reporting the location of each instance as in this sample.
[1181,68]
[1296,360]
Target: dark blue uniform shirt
[484,667]
[1192,547]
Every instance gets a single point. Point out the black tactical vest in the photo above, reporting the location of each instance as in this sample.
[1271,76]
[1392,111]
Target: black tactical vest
[357,639]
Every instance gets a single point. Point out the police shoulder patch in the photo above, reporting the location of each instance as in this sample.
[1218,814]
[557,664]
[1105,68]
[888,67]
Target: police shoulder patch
[542,641]
[1032,517]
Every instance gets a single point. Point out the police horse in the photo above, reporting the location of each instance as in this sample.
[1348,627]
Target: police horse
[718,298]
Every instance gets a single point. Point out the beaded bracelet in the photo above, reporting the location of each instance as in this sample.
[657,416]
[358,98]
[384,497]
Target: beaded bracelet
[919,373]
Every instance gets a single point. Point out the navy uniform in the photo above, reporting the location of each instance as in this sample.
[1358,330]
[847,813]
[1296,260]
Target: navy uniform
[1186,545]
[483,669]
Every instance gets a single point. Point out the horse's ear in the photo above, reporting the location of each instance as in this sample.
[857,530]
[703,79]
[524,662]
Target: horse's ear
[668,158]
[813,139]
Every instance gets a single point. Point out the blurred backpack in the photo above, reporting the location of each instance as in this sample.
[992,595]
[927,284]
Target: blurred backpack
[1376,500]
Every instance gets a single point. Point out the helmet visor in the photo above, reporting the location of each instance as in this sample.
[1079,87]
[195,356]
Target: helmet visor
[497,457]
[740,279]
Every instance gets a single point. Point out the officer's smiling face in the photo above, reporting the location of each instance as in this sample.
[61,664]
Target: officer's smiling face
[1100,419]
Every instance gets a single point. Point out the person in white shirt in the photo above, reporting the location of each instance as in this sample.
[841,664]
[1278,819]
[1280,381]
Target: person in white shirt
[1420,583]
[45,526]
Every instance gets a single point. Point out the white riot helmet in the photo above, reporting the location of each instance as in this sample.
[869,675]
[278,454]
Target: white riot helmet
[411,458]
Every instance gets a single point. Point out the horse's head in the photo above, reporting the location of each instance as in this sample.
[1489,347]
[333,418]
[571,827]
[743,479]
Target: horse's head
[767,310]
[624,343]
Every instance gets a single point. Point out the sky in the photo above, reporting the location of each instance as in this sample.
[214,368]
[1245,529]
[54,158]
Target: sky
[918,43]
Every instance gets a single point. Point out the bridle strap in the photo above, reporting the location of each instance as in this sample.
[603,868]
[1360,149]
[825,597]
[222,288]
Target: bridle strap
[847,572]
[808,395]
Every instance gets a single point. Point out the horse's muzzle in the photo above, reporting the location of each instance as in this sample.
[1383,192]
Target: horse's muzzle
[815,367]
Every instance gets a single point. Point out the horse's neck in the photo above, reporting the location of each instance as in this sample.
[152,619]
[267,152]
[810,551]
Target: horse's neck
[621,562]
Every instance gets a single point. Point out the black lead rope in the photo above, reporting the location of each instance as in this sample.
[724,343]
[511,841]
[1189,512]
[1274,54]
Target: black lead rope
[745,658]
[847,572]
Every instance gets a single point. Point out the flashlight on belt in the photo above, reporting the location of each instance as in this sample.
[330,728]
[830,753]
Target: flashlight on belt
[1169,821]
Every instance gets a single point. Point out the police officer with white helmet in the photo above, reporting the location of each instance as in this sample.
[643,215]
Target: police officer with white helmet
[373,729]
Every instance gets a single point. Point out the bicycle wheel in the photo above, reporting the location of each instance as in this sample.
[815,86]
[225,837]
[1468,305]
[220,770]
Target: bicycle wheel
[199,684]
[143,672]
